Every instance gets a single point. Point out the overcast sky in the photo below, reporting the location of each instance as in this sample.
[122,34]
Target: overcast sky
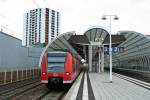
[79,15]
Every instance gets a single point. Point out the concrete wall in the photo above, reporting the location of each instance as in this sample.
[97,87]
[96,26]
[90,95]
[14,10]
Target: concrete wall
[13,55]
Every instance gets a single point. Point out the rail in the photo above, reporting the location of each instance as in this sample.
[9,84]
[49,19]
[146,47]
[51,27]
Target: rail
[135,81]
[133,70]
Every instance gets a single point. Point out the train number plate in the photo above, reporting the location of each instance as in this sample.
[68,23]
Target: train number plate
[55,74]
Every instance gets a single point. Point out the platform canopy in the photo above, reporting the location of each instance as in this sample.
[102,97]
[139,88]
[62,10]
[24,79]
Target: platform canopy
[102,35]
[96,34]
[78,44]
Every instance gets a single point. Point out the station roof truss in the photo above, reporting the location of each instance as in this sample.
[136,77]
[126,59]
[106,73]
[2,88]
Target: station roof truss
[78,44]
[136,45]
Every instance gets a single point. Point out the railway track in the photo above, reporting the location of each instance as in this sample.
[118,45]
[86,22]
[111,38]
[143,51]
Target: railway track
[139,75]
[7,95]
[13,86]
[42,93]
[35,91]
[53,95]
[133,80]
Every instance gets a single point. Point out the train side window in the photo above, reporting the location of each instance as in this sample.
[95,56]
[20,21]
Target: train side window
[73,62]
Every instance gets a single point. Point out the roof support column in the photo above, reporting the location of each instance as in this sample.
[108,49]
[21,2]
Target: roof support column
[102,59]
[90,58]
[84,51]
[99,61]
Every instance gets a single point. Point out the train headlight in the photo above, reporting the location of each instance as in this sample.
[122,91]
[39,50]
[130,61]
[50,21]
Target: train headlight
[44,73]
[67,73]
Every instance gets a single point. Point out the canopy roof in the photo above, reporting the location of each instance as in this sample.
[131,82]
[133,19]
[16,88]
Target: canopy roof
[78,44]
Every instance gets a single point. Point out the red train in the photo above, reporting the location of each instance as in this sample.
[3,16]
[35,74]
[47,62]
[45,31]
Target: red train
[59,67]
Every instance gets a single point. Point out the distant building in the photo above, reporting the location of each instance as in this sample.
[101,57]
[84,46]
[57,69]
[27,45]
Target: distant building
[40,26]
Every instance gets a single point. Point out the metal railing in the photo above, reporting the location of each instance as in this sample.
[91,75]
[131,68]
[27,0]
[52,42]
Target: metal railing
[14,75]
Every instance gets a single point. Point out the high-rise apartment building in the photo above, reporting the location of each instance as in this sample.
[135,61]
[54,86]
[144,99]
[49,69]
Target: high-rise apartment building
[40,26]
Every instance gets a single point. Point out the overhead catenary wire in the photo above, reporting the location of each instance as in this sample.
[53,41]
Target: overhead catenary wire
[8,29]
[45,2]
[5,18]
[2,27]
[36,3]
[38,6]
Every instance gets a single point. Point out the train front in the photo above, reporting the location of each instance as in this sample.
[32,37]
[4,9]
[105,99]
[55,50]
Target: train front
[53,68]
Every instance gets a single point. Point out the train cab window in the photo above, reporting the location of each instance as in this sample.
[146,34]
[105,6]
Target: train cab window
[56,62]
[74,64]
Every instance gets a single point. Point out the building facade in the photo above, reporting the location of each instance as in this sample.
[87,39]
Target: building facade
[41,25]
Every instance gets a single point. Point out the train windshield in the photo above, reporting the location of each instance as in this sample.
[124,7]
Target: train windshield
[56,61]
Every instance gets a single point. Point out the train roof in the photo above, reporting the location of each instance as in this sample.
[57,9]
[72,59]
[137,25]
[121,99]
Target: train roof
[56,52]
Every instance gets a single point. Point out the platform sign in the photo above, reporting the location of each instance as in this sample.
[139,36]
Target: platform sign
[106,49]
[121,49]
[114,49]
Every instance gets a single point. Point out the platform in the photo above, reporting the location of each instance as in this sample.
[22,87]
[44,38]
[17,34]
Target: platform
[104,90]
